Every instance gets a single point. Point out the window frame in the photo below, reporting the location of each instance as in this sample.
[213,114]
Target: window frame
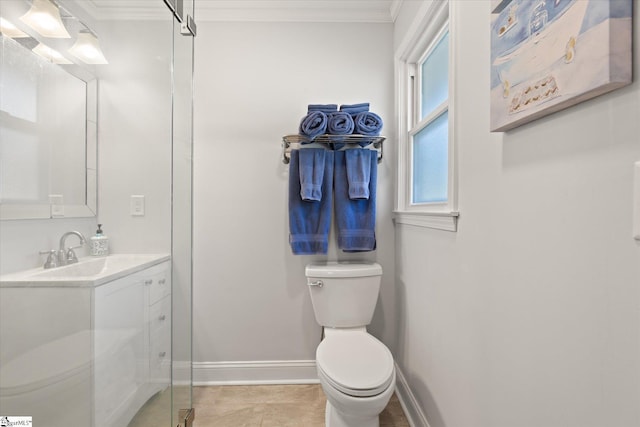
[433,21]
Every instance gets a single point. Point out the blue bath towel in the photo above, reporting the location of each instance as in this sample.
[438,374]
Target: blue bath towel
[340,124]
[313,124]
[368,123]
[355,219]
[325,108]
[311,171]
[358,163]
[354,109]
[309,222]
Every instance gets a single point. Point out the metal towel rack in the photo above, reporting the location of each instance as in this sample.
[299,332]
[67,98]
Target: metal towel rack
[330,140]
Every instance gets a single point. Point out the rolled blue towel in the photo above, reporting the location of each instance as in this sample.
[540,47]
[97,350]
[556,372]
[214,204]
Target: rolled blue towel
[340,124]
[354,109]
[313,124]
[368,123]
[325,108]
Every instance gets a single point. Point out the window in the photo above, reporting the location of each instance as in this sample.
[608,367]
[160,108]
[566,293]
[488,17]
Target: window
[426,174]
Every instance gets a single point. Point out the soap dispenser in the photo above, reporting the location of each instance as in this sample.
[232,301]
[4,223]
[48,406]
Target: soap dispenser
[99,243]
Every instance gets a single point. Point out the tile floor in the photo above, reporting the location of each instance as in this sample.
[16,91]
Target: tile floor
[272,406]
[257,406]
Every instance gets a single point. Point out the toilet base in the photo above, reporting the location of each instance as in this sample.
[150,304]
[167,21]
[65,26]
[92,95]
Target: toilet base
[334,418]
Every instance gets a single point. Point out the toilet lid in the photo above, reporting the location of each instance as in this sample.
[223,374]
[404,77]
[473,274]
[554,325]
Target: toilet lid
[355,363]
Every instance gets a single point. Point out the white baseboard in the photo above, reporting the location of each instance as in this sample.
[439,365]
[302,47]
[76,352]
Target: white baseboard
[410,405]
[181,373]
[255,372]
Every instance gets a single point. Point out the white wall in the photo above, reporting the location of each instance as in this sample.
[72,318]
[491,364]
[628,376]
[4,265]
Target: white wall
[253,84]
[21,240]
[134,134]
[529,314]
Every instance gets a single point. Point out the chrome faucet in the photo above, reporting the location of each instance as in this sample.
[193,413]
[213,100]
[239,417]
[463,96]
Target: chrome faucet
[68,255]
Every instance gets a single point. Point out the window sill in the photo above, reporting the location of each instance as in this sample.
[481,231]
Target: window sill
[447,221]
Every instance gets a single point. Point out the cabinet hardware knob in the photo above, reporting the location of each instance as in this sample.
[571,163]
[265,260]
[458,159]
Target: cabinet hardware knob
[148,282]
[162,354]
[162,317]
[162,281]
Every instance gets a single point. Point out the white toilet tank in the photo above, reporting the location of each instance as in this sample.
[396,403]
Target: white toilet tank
[344,295]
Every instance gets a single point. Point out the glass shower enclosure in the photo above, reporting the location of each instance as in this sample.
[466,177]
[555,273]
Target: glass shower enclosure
[96,127]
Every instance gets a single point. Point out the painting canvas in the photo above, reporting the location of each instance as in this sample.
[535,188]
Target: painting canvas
[547,55]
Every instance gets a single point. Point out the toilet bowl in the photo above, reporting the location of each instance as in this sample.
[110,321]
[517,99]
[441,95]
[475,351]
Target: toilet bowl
[357,375]
[356,370]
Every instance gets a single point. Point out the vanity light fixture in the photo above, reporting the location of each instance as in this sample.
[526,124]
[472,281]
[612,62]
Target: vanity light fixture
[87,49]
[9,30]
[50,54]
[44,17]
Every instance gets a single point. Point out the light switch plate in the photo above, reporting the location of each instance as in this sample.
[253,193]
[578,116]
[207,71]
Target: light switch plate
[56,202]
[636,201]
[137,205]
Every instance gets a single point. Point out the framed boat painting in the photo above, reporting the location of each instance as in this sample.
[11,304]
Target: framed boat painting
[547,55]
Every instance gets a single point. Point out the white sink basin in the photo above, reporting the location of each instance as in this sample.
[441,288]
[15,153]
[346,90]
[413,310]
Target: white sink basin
[87,271]
[85,267]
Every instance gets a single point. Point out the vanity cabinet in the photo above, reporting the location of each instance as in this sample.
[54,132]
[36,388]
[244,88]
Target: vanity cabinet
[132,338]
[86,350]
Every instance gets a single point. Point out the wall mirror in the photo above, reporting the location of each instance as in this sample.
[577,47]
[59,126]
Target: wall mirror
[48,125]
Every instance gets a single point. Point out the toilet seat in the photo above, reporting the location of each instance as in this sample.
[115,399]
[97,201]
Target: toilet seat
[355,363]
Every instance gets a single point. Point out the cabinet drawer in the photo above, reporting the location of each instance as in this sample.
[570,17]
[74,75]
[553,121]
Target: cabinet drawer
[159,286]
[160,315]
[160,356]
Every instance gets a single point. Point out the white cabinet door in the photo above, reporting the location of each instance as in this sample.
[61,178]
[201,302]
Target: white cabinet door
[120,350]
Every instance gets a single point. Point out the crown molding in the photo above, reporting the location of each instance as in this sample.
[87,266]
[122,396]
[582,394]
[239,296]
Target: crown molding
[378,11]
[394,9]
[105,10]
[294,11]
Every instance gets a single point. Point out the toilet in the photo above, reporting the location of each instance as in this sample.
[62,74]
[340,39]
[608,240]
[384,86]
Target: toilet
[356,370]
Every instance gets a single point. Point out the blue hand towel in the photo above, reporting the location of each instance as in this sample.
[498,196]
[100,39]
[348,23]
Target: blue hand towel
[340,124]
[311,166]
[355,219]
[358,163]
[309,222]
[325,108]
[355,108]
[368,123]
[313,124]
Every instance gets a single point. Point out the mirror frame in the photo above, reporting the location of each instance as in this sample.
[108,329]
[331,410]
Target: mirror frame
[10,211]
[90,208]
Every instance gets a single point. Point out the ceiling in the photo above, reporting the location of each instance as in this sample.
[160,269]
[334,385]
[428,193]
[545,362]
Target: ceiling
[252,10]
